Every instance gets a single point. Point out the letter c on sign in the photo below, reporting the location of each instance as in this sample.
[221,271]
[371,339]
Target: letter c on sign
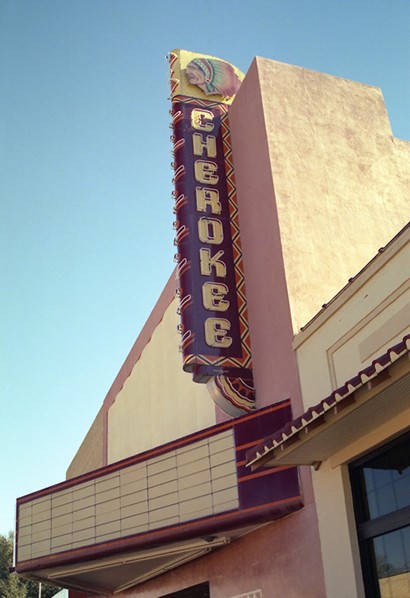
[202,120]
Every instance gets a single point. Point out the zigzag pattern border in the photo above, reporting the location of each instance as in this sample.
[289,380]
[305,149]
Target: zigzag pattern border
[245,361]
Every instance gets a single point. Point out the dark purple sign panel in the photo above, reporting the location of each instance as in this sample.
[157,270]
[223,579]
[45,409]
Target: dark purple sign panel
[273,487]
[203,233]
[215,339]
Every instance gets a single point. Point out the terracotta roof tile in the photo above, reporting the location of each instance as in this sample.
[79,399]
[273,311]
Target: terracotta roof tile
[336,399]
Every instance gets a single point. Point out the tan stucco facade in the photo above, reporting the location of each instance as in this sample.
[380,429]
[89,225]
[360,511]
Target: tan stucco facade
[90,455]
[158,402]
[372,314]
[340,179]
[152,401]
[335,513]
[369,316]
[322,185]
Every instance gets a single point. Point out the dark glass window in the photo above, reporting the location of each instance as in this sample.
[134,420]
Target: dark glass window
[381,493]
[199,591]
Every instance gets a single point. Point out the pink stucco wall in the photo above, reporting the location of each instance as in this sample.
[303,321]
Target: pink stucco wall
[275,368]
[280,559]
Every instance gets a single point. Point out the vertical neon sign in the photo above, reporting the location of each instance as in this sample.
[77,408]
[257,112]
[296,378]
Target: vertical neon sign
[214,325]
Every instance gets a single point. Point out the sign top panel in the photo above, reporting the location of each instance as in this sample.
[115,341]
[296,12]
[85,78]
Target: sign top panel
[203,76]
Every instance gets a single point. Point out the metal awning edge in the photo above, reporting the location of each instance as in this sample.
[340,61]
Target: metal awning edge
[313,416]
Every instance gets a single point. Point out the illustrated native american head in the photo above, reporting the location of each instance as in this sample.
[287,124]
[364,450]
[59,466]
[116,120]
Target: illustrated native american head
[214,77]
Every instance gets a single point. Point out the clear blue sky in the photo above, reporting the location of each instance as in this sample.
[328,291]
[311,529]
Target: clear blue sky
[85,182]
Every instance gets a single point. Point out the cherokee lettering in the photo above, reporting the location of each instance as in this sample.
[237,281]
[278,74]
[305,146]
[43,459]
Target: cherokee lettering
[205,172]
[213,296]
[202,120]
[208,261]
[208,197]
[210,230]
[200,144]
[216,333]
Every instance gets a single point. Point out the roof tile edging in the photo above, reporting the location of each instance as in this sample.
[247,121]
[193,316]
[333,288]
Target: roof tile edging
[339,395]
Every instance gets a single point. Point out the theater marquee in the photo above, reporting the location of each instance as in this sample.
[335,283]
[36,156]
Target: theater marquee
[214,324]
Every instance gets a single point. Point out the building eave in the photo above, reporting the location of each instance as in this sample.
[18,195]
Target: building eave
[363,402]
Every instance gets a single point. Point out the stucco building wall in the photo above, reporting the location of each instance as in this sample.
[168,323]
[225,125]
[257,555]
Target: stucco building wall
[369,316]
[266,559]
[90,455]
[322,184]
[333,499]
[151,401]
[158,402]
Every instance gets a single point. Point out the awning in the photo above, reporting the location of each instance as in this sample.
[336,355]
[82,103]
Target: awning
[115,527]
[375,394]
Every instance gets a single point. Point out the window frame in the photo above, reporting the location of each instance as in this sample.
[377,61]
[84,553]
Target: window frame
[369,529]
